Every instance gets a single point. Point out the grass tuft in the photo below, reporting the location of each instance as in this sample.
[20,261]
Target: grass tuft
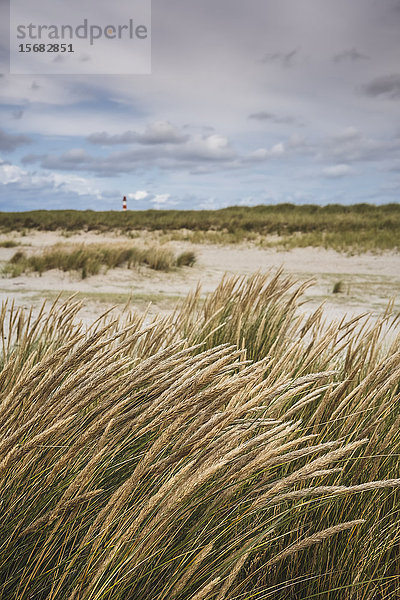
[186,259]
[90,260]
[338,287]
[8,244]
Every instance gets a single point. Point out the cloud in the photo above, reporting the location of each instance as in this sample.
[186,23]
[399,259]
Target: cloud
[9,142]
[27,180]
[267,116]
[157,200]
[337,171]
[387,86]
[284,59]
[139,195]
[159,132]
[160,199]
[350,55]
[105,139]
[17,114]
[351,145]
[348,134]
[276,151]
[10,173]
[214,150]
[75,158]
[208,147]
[162,132]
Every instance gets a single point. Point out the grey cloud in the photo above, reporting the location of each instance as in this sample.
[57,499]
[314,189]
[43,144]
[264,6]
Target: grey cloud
[10,142]
[267,116]
[105,139]
[29,159]
[350,55]
[351,145]
[127,162]
[212,150]
[17,114]
[285,59]
[160,132]
[387,86]
[73,159]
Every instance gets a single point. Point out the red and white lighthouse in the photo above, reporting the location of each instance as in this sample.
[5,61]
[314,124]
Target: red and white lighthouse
[124,207]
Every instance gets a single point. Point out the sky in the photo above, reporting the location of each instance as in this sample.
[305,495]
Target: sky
[247,103]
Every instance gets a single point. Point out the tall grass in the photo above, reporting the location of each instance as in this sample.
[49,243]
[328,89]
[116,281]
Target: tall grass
[89,260]
[230,450]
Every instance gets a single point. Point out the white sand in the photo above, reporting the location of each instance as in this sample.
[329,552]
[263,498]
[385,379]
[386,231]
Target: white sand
[369,280]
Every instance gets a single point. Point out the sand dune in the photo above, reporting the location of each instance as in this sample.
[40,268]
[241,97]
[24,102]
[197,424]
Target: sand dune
[369,281]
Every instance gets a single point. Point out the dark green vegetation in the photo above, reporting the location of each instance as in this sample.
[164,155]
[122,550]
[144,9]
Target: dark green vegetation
[89,260]
[229,451]
[359,227]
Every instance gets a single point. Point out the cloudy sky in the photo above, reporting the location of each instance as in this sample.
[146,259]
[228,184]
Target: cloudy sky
[262,101]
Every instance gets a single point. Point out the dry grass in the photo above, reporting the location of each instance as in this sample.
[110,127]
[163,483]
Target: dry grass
[91,259]
[8,244]
[231,450]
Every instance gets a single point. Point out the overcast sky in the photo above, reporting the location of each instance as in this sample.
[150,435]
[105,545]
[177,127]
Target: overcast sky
[254,102]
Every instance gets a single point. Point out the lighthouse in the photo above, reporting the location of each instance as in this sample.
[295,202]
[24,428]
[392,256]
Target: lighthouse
[124,207]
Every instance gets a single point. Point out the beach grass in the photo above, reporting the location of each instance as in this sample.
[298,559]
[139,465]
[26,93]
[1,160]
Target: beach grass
[91,259]
[233,449]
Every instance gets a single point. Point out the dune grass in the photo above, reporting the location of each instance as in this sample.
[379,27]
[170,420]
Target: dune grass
[231,450]
[353,228]
[90,259]
[8,244]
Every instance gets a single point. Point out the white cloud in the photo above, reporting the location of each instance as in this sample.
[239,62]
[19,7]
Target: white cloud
[13,174]
[139,195]
[160,199]
[262,153]
[211,147]
[336,171]
[278,149]
[10,174]
[259,154]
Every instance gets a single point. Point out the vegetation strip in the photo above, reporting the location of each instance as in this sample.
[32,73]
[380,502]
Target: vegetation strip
[358,227]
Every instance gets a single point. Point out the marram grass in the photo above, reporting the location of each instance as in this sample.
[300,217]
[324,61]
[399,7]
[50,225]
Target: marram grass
[232,450]
[93,258]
